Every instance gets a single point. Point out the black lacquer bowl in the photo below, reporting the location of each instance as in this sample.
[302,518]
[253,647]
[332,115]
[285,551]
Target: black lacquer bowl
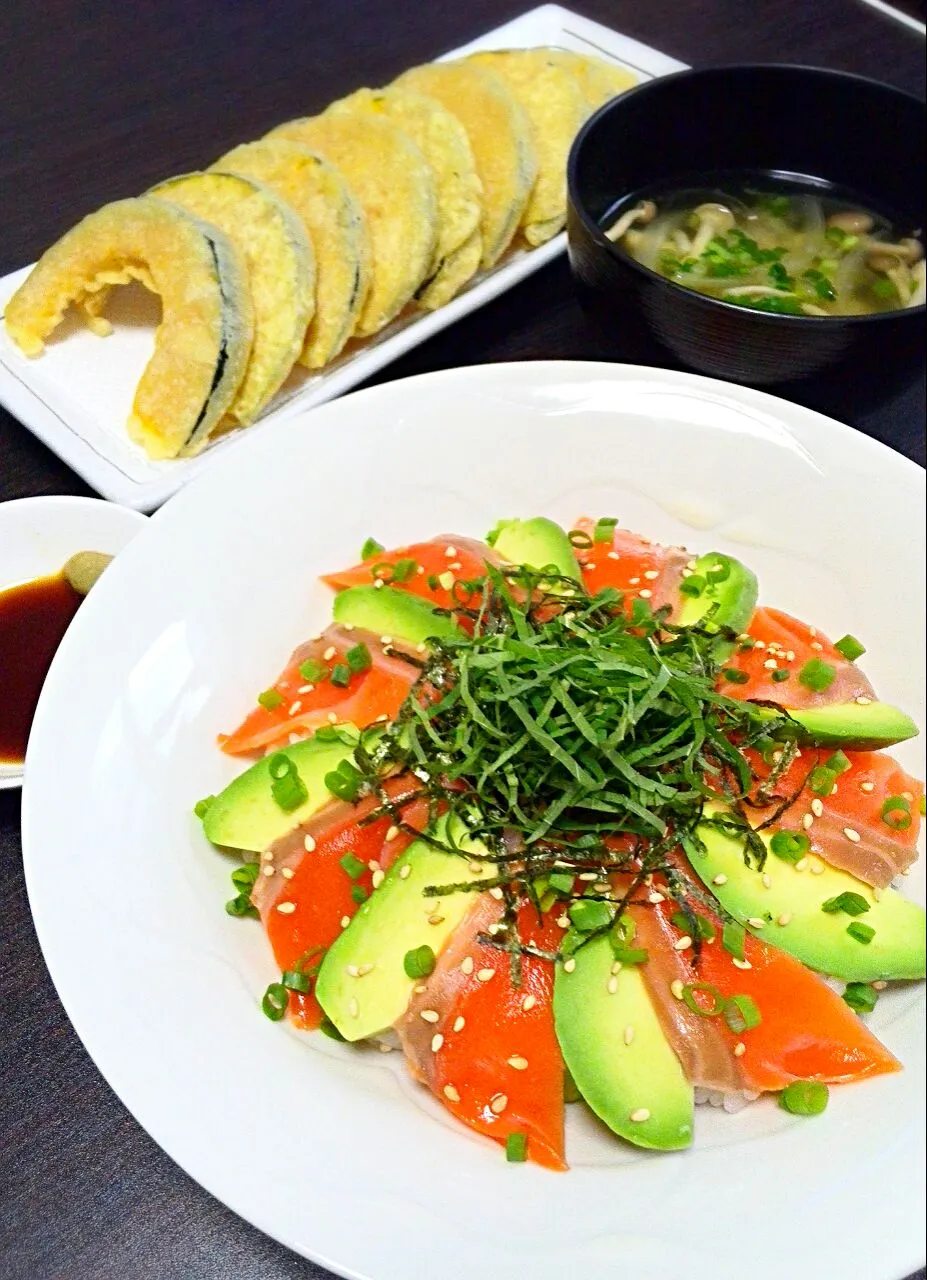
[840,132]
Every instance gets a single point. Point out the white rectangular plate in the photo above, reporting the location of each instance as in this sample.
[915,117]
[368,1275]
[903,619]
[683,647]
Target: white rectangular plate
[77,397]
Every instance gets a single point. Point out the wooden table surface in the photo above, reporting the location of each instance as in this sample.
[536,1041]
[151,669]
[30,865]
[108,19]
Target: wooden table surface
[97,102]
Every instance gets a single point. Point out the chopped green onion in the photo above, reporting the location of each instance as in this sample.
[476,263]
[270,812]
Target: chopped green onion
[275,1001]
[341,675]
[719,571]
[403,570]
[691,992]
[516,1148]
[312,671]
[817,675]
[863,933]
[641,612]
[851,904]
[741,1014]
[589,914]
[861,997]
[780,674]
[694,585]
[296,980]
[896,813]
[358,658]
[243,877]
[287,787]
[328,1028]
[822,781]
[579,540]
[837,763]
[345,781]
[804,1098]
[703,926]
[270,699]
[561,882]
[604,529]
[630,955]
[352,865]
[201,808]
[419,962]
[850,647]
[790,846]
[733,938]
[358,894]
[734,675]
[371,548]
[242,907]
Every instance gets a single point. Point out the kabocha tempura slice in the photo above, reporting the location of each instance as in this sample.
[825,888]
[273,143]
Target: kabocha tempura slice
[204,339]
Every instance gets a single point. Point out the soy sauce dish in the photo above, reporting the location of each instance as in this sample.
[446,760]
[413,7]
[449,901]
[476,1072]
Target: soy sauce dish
[764,223]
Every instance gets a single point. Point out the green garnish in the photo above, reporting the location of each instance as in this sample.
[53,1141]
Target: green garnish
[341,675]
[286,786]
[691,993]
[694,585]
[838,763]
[863,933]
[701,925]
[884,290]
[851,904]
[896,813]
[733,938]
[358,658]
[804,1098]
[345,782]
[734,675]
[296,980]
[201,808]
[790,846]
[817,675]
[275,1000]
[604,530]
[241,907]
[352,865]
[861,996]
[561,882]
[403,570]
[328,1028]
[741,1014]
[516,1148]
[243,877]
[359,894]
[850,647]
[419,962]
[312,671]
[821,780]
[780,674]
[270,699]
[588,914]
[371,548]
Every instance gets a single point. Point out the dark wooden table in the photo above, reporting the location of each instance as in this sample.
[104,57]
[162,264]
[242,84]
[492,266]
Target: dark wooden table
[97,101]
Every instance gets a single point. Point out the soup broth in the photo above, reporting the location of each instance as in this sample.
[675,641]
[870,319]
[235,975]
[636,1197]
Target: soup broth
[774,248]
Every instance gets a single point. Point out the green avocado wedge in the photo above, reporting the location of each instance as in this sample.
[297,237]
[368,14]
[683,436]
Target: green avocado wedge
[616,1052]
[721,583]
[789,901]
[856,726]
[538,543]
[395,919]
[389,611]
[246,816]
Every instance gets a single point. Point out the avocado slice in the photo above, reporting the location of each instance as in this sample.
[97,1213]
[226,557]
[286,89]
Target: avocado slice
[596,1014]
[538,543]
[867,726]
[793,920]
[386,611]
[728,584]
[246,816]
[395,919]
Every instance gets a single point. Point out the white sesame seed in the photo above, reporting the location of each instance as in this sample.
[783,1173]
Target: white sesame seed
[639,1116]
[784,918]
[429,1015]
[309,844]
[498,1104]
[563,921]
[405,871]
[589,875]
[677,986]
[364,969]
[528,1003]
[739,1049]
[645,593]
[612,985]
[451,1093]
[331,718]
[392,833]
[353,1008]
[755,922]
[863,701]
[386,639]
[351,970]
[634,581]
[616,966]
[329,653]
[455,564]
[379,583]
[656,897]
[436,1042]
[683,943]
[628,1034]
[305,688]
[652,574]
[771,664]
[851,835]
[767,882]
[740,964]
[817,868]
[286,908]
[294,707]
[877,893]
[459,1023]
[420,988]
[450,551]
[518,1063]
[496,892]
[287,872]
[436,919]
[589,567]
[816,644]
[385,1048]
[378,877]
[485,975]
[268,869]
[721,878]
[807,820]
[802,863]
[446,580]
[345,921]
[466,965]
[381,719]
[879,985]
[613,555]
[817,808]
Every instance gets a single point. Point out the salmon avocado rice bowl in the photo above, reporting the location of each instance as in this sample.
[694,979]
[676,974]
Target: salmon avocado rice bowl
[570,816]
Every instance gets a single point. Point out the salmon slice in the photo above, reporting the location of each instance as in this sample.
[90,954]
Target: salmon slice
[438,570]
[632,564]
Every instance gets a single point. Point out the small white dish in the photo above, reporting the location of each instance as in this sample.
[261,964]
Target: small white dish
[337,1153]
[77,396]
[37,535]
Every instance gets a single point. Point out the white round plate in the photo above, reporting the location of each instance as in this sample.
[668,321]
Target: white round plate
[37,535]
[333,1151]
